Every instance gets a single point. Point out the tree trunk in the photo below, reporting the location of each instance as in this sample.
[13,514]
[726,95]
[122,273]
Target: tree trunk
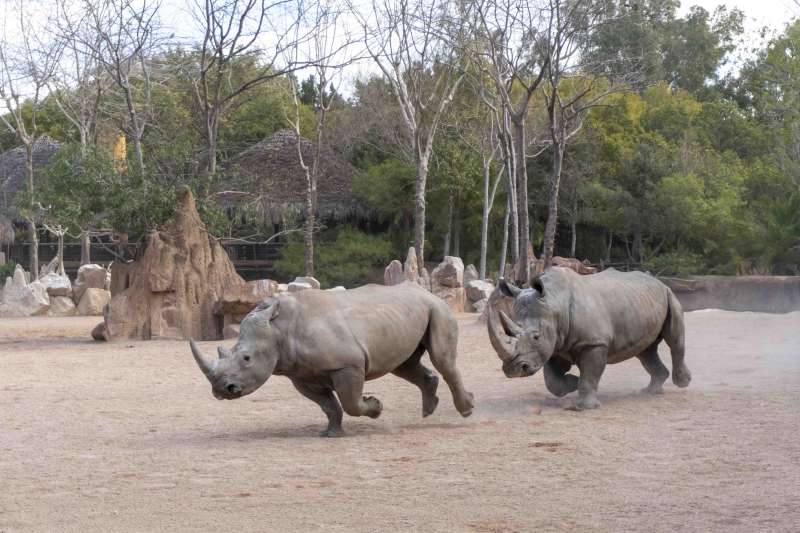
[449,228]
[504,247]
[86,248]
[61,253]
[309,231]
[456,231]
[34,250]
[552,204]
[419,209]
[523,269]
[211,146]
[485,221]
[573,226]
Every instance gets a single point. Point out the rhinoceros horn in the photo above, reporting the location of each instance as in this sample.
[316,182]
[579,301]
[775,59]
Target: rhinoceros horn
[500,326]
[206,364]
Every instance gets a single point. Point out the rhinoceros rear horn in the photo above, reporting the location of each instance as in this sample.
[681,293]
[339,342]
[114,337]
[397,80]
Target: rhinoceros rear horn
[502,342]
[206,364]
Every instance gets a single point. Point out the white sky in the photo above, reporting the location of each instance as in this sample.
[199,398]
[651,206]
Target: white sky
[772,13]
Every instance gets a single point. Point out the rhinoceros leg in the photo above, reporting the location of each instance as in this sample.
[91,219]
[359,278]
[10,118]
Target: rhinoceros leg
[556,379]
[658,372]
[415,372]
[323,397]
[673,334]
[592,363]
[442,345]
[349,386]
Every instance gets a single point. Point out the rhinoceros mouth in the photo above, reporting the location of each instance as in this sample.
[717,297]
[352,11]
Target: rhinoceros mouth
[519,368]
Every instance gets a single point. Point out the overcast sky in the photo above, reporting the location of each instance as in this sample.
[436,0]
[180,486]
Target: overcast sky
[773,13]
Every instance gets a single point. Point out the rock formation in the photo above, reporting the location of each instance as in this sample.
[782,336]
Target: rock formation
[89,276]
[575,264]
[470,274]
[21,298]
[172,289]
[239,300]
[447,282]
[393,274]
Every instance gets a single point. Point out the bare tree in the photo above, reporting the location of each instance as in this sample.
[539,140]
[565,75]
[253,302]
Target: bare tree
[78,85]
[26,67]
[508,35]
[573,86]
[124,37]
[326,51]
[412,43]
[232,30]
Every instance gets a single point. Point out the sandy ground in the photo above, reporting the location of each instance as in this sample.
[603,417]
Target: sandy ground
[127,437]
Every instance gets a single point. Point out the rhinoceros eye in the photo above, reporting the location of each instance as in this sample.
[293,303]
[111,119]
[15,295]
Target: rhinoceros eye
[246,357]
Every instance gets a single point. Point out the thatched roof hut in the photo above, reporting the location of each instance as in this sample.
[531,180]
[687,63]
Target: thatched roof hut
[269,174]
[13,180]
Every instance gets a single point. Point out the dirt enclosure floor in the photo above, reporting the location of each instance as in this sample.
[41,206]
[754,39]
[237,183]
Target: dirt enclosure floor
[127,437]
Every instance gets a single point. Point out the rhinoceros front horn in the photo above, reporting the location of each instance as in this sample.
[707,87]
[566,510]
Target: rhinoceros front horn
[502,342]
[206,364]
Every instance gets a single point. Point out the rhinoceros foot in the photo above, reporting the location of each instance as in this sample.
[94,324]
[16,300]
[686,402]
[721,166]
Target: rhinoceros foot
[583,404]
[429,398]
[374,407]
[465,404]
[681,376]
[332,433]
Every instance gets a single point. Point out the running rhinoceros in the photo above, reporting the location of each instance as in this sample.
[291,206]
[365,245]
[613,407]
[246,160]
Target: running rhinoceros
[588,321]
[326,341]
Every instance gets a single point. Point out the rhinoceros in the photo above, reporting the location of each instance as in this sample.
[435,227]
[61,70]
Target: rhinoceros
[566,319]
[333,341]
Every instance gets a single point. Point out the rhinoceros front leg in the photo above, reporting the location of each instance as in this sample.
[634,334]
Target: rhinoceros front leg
[592,363]
[323,397]
[349,386]
[415,372]
[556,379]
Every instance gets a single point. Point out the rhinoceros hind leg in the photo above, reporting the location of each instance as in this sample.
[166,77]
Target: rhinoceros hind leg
[442,344]
[658,372]
[415,372]
[673,333]
[556,379]
[323,397]
[349,385]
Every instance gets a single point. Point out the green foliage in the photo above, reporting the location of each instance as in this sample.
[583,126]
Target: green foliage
[7,270]
[345,256]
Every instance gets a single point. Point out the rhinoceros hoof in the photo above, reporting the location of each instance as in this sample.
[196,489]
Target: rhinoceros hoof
[653,389]
[584,404]
[332,433]
[374,406]
[429,398]
[681,377]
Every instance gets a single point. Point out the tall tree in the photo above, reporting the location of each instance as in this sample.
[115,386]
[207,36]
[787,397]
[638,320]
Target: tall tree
[413,43]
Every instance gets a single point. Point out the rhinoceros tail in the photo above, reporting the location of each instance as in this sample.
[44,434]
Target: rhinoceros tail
[674,335]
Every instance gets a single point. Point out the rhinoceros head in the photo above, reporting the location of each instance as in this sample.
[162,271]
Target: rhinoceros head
[525,344]
[243,369]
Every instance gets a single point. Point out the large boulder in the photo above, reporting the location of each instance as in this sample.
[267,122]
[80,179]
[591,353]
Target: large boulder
[470,274]
[239,300]
[479,306]
[455,297]
[297,286]
[231,331]
[479,290]
[61,306]
[20,298]
[93,301]
[393,274]
[575,264]
[449,273]
[173,287]
[312,282]
[56,284]
[89,277]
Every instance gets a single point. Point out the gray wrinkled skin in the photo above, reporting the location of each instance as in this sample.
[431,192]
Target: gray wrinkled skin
[566,319]
[330,342]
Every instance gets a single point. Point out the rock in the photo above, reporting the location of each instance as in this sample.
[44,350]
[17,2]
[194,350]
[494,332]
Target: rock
[308,280]
[239,300]
[470,274]
[62,306]
[449,273]
[172,288]
[49,268]
[575,264]
[455,297]
[93,301]
[411,266]
[89,276]
[479,306]
[337,288]
[56,284]
[283,287]
[479,290]
[424,279]
[296,286]
[231,331]
[393,274]
[20,298]
[99,332]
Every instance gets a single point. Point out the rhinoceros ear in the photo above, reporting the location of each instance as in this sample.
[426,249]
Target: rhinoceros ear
[508,289]
[264,313]
[536,283]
